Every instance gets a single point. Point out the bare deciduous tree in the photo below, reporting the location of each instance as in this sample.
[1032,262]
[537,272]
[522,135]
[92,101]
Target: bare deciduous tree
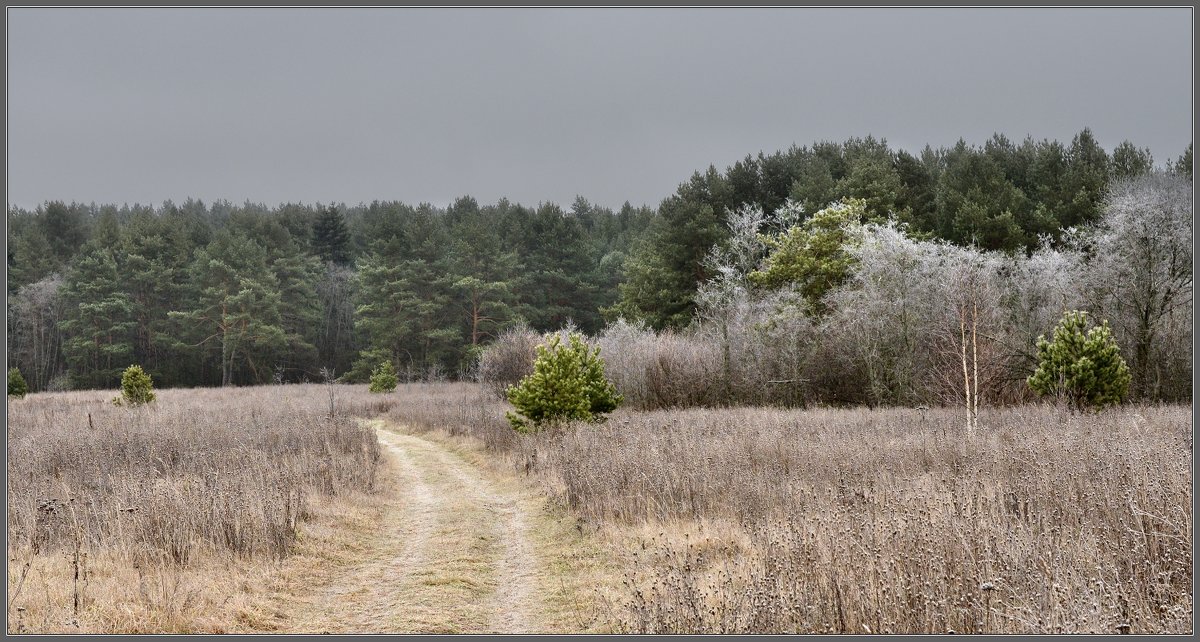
[967,329]
[36,342]
[1141,271]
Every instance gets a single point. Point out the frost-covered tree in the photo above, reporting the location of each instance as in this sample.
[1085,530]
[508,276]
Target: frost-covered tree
[1141,272]
[887,310]
[1036,291]
[966,327]
[35,340]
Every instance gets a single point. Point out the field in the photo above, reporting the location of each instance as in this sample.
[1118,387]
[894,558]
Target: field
[221,510]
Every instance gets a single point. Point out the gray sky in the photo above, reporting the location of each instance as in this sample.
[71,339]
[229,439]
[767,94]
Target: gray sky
[353,105]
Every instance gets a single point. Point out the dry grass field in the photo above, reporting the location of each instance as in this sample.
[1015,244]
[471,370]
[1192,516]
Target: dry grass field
[236,510]
[888,521]
[121,519]
[252,510]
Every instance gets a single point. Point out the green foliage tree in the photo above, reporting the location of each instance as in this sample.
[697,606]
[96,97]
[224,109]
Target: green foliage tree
[485,278]
[1084,182]
[404,312]
[383,378]
[235,304]
[665,270]
[65,227]
[814,187]
[136,387]
[1183,165]
[876,182]
[1130,162]
[977,203]
[297,276]
[567,384]
[558,269]
[915,204]
[155,259]
[1082,366]
[331,236]
[814,255]
[16,383]
[99,320]
[30,257]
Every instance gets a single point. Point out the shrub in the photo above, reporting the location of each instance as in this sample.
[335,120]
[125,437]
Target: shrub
[509,359]
[16,383]
[383,377]
[567,384]
[661,370]
[1085,369]
[136,387]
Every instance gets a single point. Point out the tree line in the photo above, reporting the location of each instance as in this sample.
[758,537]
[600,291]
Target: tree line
[222,294]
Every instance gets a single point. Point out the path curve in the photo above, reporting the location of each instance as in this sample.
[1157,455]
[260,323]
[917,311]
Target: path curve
[454,554]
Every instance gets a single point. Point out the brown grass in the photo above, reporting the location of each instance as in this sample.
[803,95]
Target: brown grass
[214,545]
[135,504]
[885,521]
[730,520]
[895,521]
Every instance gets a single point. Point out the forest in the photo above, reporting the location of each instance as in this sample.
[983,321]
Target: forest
[838,272]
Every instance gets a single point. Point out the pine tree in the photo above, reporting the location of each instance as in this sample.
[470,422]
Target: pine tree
[1085,180]
[136,387]
[1085,369]
[404,314]
[978,204]
[1129,162]
[567,384]
[813,255]
[16,384]
[297,275]
[1183,165]
[665,270]
[383,378]
[236,303]
[331,237]
[154,259]
[99,323]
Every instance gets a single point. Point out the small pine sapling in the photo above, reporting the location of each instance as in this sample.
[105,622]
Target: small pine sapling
[567,384]
[136,387]
[16,384]
[383,377]
[1082,366]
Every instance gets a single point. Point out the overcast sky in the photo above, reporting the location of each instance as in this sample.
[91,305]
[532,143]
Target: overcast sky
[353,105]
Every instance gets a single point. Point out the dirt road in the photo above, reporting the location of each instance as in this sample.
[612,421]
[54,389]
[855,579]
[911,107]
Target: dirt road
[459,550]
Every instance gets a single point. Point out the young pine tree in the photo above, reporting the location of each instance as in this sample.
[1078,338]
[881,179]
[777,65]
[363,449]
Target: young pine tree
[1085,368]
[383,377]
[16,384]
[136,387]
[567,384]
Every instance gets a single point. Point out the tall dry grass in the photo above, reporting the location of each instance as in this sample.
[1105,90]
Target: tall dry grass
[459,409]
[758,520]
[895,521]
[851,521]
[198,476]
